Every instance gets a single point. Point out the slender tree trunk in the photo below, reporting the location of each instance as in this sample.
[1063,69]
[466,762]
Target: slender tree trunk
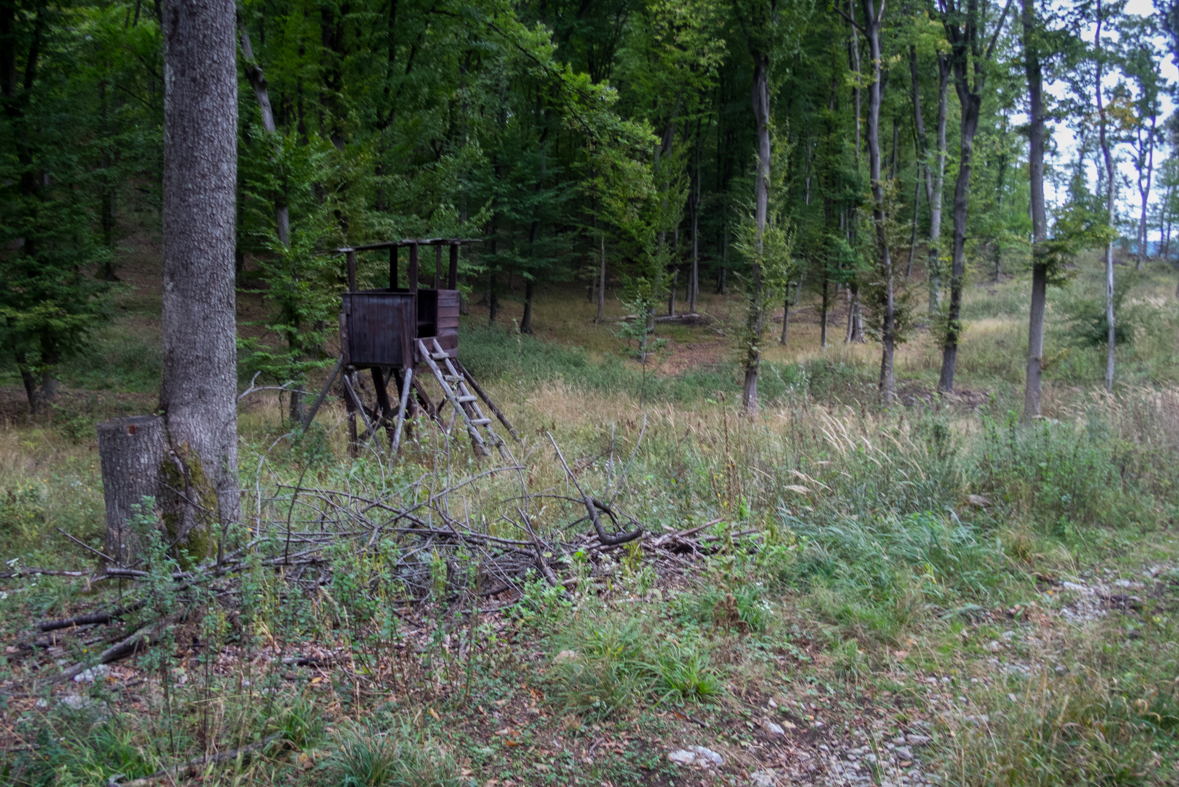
[602,280]
[664,149]
[913,233]
[282,214]
[1032,388]
[967,58]
[875,97]
[526,320]
[199,391]
[935,170]
[938,187]
[823,315]
[16,100]
[785,315]
[754,322]
[1144,192]
[1107,158]
[971,104]
[694,276]
[855,65]
[722,284]
[675,273]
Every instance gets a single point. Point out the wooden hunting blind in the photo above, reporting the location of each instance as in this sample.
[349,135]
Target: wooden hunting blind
[390,331]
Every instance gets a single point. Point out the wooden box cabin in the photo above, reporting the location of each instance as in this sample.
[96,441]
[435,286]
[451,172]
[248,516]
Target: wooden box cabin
[390,331]
[380,328]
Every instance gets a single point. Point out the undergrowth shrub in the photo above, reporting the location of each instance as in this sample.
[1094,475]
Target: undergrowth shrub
[600,666]
[22,513]
[607,659]
[1058,476]
[878,575]
[365,756]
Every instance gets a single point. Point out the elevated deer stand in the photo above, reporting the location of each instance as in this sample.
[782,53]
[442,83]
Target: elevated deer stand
[390,332]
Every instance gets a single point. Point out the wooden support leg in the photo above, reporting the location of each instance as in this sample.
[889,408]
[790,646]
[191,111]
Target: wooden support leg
[350,407]
[405,386]
[423,399]
[385,411]
[322,395]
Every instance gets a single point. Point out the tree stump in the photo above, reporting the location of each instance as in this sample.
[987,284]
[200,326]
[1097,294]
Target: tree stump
[131,451]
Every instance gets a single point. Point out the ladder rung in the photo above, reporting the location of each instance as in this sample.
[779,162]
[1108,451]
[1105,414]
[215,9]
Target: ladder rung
[480,421]
[440,356]
[465,399]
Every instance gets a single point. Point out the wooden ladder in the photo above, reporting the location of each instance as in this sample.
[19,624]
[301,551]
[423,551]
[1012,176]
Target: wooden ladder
[454,388]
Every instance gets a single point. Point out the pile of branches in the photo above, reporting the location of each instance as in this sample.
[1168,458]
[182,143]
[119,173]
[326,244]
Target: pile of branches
[422,526]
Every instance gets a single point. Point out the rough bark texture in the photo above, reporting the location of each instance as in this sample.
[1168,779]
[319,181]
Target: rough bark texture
[199,388]
[1032,388]
[761,112]
[131,452]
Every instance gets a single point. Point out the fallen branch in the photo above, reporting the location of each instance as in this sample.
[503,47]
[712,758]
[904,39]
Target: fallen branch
[591,508]
[189,767]
[119,650]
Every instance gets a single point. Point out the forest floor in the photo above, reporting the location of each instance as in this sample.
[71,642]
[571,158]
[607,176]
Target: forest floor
[832,594]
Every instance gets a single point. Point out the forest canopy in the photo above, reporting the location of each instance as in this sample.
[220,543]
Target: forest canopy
[646,148]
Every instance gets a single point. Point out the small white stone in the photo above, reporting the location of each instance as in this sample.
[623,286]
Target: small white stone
[774,729]
[682,757]
[708,754]
[94,673]
[904,752]
[76,701]
[762,779]
[565,657]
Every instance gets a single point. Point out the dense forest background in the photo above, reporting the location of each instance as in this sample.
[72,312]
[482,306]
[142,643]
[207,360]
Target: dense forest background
[645,149]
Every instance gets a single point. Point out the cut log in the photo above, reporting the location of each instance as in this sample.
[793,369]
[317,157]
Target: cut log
[131,451]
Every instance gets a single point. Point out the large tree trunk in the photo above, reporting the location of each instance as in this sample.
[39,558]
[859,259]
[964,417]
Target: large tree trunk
[199,390]
[131,451]
[754,324]
[1032,389]
[875,96]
